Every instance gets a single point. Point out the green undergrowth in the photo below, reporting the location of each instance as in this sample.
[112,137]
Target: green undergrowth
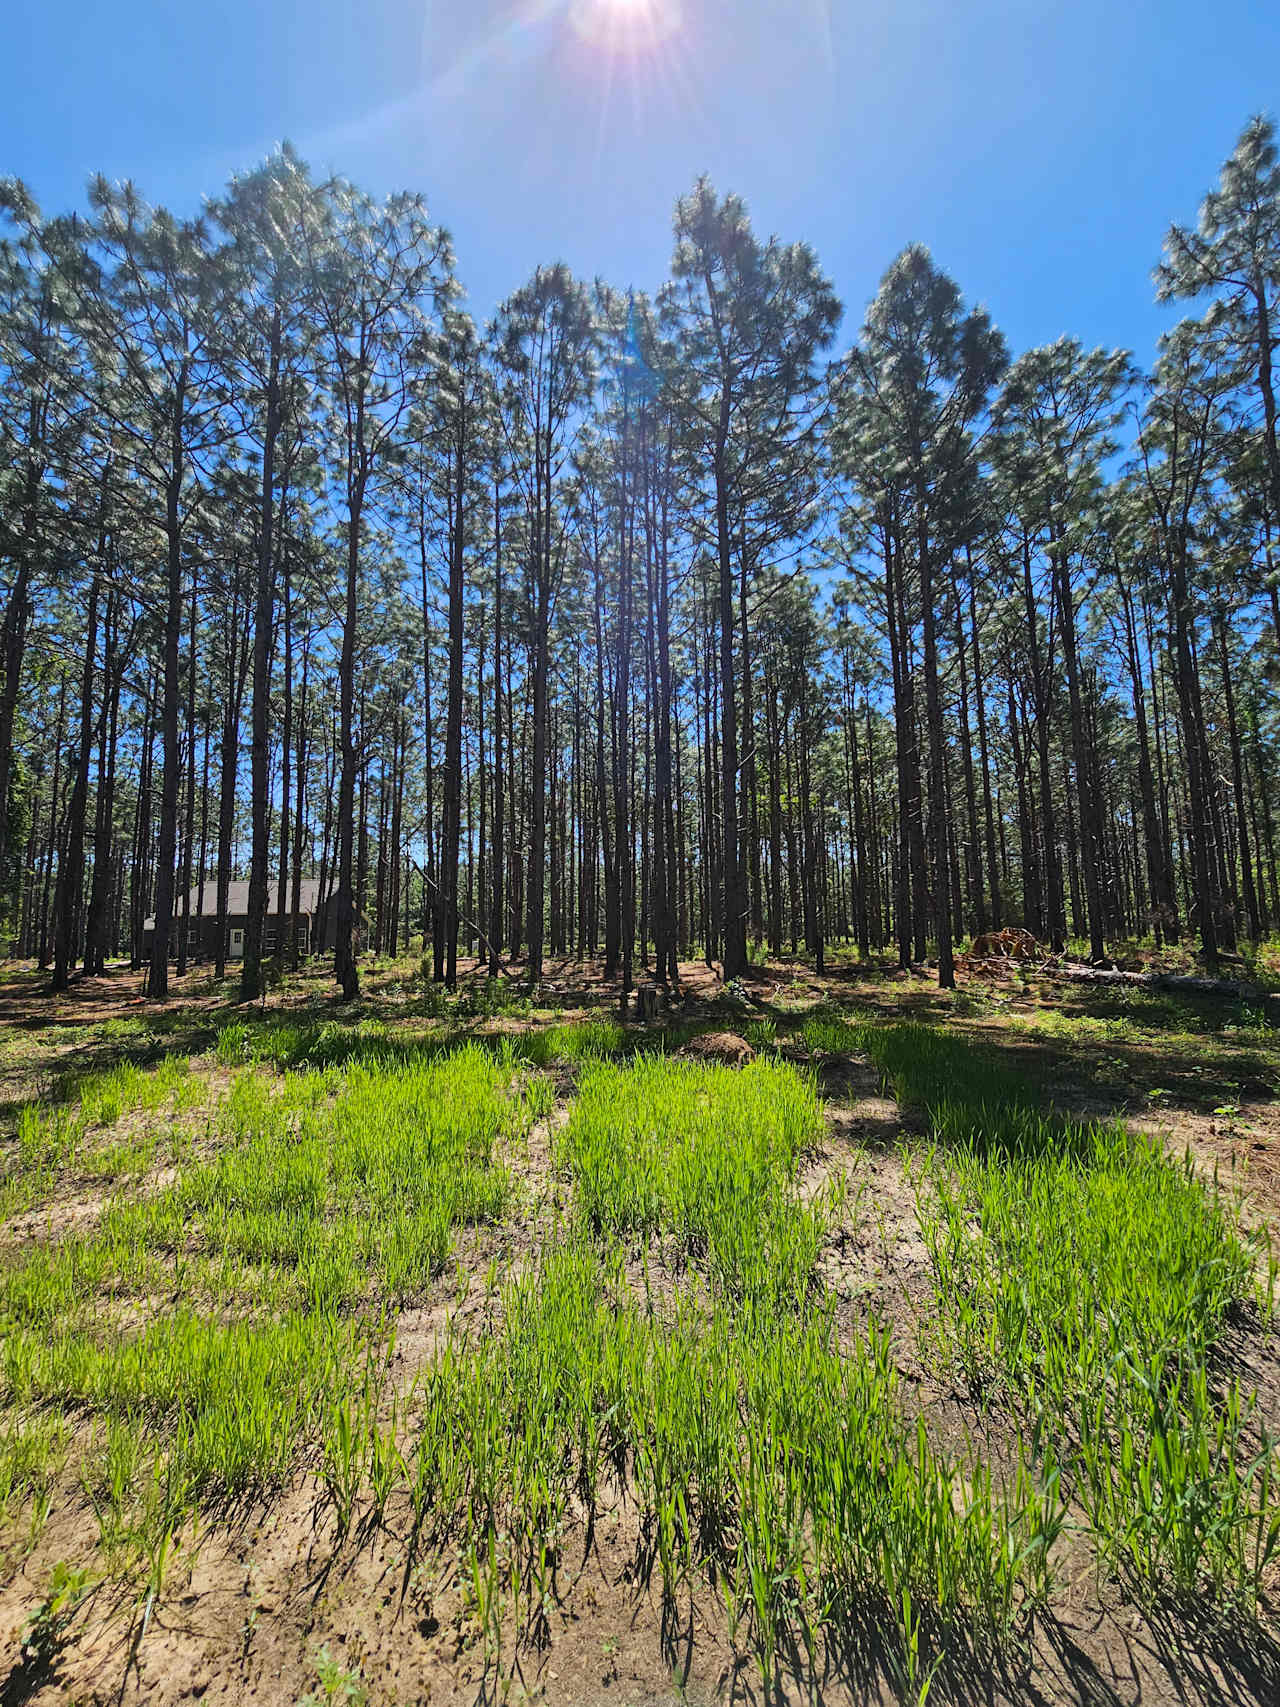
[926,1068]
[215,1408]
[669,1351]
[290,1045]
[33,1449]
[580,1040]
[339,1187]
[480,998]
[1096,1289]
[319,1045]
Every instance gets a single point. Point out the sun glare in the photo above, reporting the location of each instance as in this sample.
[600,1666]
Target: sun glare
[623,24]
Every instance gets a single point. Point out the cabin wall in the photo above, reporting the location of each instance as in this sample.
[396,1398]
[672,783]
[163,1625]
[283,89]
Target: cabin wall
[202,943]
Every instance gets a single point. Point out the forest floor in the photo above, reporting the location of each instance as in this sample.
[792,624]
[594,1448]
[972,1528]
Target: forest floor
[827,1338]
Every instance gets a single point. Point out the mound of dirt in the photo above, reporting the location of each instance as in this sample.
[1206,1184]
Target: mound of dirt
[723,1046]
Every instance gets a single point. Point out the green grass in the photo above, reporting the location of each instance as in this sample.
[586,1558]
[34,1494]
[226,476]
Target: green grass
[292,1044]
[226,1402]
[761,1034]
[295,1045]
[707,1154]
[67,1132]
[126,1089]
[1091,1275]
[667,1351]
[1099,1282]
[208,1331]
[348,1181]
[479,998]
[587,1040]
[33,1449]
[754,1451]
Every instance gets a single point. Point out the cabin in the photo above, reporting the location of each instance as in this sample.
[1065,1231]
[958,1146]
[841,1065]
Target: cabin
[314,931]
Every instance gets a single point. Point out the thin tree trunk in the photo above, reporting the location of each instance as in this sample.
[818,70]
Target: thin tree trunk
[66,904]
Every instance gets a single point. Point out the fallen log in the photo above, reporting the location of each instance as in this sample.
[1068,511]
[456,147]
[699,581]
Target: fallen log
[1233,988]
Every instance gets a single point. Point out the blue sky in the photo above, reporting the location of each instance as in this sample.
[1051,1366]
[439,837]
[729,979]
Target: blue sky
[1039,150]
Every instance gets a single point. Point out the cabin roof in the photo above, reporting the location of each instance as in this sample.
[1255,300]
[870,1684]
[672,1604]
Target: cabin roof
[238,900]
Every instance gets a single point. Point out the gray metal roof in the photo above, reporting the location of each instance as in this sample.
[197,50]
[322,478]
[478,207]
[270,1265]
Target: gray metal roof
[238,900]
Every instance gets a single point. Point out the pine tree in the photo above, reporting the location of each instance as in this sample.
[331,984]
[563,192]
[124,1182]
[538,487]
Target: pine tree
[751,319]
[927,366]
[377,270]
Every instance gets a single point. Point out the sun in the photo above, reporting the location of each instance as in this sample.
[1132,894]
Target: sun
[625,24]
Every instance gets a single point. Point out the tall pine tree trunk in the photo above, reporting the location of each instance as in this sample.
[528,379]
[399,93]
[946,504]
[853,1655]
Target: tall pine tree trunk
[260,708]
[735,900]
[66,904]
[170,706]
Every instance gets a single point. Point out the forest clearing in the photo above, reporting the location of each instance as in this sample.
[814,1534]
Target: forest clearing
[456,1348]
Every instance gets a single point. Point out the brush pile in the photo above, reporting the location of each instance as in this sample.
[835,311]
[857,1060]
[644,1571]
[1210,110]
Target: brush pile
[993,951]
